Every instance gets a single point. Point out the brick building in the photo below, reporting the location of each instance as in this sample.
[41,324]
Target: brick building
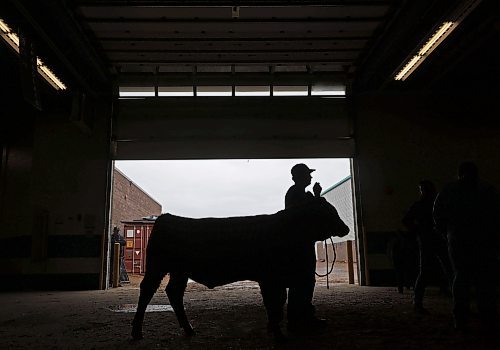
[130,202]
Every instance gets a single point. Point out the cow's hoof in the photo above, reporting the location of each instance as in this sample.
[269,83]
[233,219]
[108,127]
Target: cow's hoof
[189,332]
[279,337]
[137,334]
[136,330]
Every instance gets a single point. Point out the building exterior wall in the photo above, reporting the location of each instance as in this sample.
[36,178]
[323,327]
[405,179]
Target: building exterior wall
[340,251]
[340,196]
[130,202]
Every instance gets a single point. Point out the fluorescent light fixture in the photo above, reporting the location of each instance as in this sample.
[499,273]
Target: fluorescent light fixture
[436,38]
[4,27]
[439,35]
[412,65]
[10,37]
[47,74]
[13,40]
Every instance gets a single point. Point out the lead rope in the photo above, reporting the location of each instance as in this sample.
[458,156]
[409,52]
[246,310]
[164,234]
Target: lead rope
[328,271]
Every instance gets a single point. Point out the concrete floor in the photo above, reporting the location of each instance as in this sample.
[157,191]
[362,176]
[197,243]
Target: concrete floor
[230,317]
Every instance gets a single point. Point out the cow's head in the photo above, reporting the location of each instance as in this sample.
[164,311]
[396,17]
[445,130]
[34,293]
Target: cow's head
[320,220]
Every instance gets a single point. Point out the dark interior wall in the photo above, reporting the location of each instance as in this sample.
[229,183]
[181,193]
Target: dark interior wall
[402,139]
[54,201]
[15,197]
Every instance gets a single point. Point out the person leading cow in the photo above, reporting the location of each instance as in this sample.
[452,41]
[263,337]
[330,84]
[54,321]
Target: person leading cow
[301,312]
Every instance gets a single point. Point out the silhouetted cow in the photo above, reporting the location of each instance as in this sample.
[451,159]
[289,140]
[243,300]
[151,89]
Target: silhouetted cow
[218,251]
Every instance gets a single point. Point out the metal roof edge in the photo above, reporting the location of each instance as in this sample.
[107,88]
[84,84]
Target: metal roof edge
[347,178]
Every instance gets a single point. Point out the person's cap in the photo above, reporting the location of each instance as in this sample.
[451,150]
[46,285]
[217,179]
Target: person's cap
[301,170]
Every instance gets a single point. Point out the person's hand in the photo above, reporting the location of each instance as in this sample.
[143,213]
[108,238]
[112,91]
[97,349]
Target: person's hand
[317,189]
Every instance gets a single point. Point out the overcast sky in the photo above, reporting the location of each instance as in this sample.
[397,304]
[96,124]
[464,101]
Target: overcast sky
[221,188]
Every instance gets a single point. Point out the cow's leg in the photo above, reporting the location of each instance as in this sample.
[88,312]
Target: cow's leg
[274,298]
[175,292]
[149,285]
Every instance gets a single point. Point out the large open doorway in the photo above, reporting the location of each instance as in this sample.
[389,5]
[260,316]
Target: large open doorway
[246,130]
[142,190]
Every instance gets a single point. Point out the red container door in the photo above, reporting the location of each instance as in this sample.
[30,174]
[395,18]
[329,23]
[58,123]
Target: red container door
[136,237]
[129,248]
[138,248]
[134,249]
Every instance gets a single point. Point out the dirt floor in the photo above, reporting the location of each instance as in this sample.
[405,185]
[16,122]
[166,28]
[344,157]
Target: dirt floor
[230,317]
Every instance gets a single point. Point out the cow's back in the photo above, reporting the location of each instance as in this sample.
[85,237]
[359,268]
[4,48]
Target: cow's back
[230,247]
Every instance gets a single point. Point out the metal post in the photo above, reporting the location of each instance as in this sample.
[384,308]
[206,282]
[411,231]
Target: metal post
[116,265]
[102,277]
[350,262]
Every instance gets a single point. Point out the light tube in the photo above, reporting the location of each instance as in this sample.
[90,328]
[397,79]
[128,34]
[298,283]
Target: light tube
[438,36]
[4,27]
[13,40]
[407,67]
[49,76]
[439,33]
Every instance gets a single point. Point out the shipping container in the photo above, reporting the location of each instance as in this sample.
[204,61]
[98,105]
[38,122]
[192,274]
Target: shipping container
[137,234]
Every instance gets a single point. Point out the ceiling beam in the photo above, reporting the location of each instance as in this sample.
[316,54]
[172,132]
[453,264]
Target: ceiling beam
[232,51]
[263,21]
[223,62]
[230,3]
[254,39]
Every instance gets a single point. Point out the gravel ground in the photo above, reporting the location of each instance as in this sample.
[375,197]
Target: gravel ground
[230,317]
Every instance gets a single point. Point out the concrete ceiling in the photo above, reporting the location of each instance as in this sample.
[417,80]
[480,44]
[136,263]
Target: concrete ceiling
[93,44]
[216,37]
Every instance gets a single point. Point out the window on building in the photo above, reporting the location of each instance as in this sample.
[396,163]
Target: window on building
[175,91]
[262,90]
[136,91]
[290,91]
[214,90]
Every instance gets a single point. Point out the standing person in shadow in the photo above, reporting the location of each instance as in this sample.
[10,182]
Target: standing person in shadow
[116,237]
[468,211]
[301,312]
[431,244]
